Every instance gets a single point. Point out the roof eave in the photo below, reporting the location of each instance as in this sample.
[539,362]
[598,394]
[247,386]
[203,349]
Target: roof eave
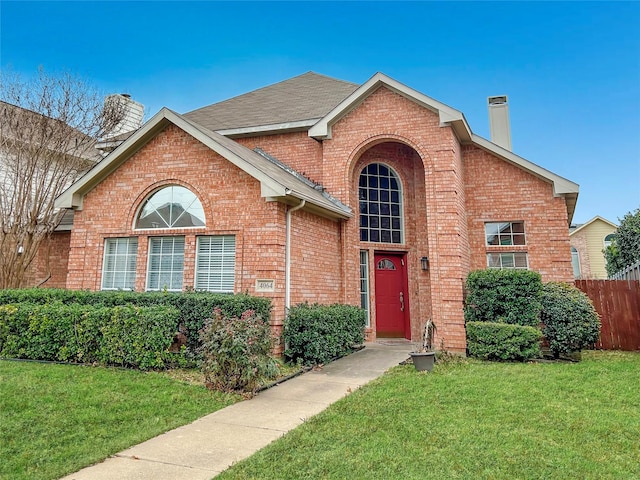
[561,186]
[296,126]
[597,217]
[448,116]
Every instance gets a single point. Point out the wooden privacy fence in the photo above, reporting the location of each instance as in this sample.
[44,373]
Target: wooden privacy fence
[618,304]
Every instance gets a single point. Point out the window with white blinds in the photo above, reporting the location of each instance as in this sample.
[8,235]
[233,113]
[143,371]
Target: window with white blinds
[166,263]
[216,263]
[119,263]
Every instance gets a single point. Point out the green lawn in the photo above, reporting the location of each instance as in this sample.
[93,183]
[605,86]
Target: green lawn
[472,420]
[56,419]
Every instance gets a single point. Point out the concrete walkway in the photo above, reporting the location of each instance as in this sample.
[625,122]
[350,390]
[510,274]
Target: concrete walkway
[206,447]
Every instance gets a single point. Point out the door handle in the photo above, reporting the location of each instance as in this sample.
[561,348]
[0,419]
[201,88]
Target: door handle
[401,302]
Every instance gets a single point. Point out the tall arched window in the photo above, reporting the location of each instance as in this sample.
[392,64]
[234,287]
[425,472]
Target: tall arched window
[380,205]
[171,207]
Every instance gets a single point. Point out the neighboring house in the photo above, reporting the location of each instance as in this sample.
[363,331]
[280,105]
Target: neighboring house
[24,148]
[588,240]
[320,190]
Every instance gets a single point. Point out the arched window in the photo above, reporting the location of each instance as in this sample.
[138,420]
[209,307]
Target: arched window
[608,239]
[171,207]
[380,205]
[575,263]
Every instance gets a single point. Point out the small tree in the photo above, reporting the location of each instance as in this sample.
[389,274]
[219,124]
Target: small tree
[48,129]
[625,247]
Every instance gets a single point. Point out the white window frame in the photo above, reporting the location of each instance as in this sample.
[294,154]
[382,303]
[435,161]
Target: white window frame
[364,284]
[606,242]
[504,231]
[171,271]
[130,258]
[575,263]
[215,270]
[193,207]
[400,217]
[504,255]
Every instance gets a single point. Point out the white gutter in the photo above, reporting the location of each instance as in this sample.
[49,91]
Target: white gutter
[287,256]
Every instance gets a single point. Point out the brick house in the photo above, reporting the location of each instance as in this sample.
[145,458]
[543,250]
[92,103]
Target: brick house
[319,190]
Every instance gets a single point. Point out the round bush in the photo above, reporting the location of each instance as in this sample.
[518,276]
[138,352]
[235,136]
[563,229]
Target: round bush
[236,351]
[570,322]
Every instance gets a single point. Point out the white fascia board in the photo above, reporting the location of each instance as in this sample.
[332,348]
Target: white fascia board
[597,217]
[561,185]
[322,129]
[262,129]
[73,196]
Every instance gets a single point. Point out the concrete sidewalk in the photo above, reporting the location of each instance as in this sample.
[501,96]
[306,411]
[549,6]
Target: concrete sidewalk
[206,447]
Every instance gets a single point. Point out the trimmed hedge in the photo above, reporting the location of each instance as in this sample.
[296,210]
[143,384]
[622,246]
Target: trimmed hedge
[316,334]
[194,307]
[502,341]
[127,336]
[503,296]
[570,321]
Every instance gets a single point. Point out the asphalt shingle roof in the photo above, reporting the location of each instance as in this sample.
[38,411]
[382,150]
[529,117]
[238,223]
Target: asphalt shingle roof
[305,97]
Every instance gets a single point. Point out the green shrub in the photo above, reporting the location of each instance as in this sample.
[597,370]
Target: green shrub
[503,296]
[570,322]
[316,334]
[502,341]
[126,335]
[194,307]
[236,351]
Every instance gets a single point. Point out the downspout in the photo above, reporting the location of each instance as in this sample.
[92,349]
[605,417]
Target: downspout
[287,258]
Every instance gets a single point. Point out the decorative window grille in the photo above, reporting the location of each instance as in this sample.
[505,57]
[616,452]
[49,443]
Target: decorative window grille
[380,205]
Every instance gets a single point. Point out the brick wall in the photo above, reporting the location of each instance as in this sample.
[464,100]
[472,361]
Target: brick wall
[499,191]
[390,129]
[49,267]
[230,198]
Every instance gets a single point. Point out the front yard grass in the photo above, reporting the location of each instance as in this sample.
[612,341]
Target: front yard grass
[472,420]
[56,419]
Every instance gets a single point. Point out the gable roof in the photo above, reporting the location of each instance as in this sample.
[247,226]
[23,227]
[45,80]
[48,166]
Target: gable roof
[315,103]
[298,102]
[451,117]
[276,182]
[597,217]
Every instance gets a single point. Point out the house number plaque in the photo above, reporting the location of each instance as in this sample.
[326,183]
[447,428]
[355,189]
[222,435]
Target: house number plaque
[264,285]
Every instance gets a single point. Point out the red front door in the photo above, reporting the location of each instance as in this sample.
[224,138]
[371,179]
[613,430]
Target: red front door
[392,301]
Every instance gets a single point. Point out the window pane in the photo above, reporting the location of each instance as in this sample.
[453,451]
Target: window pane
[171,207]
[166,263]
[364,282]
[504,233]
[380,208]
[215,263]
[119,263]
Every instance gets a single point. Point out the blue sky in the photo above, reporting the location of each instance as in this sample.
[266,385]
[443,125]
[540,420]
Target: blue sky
[571,70]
